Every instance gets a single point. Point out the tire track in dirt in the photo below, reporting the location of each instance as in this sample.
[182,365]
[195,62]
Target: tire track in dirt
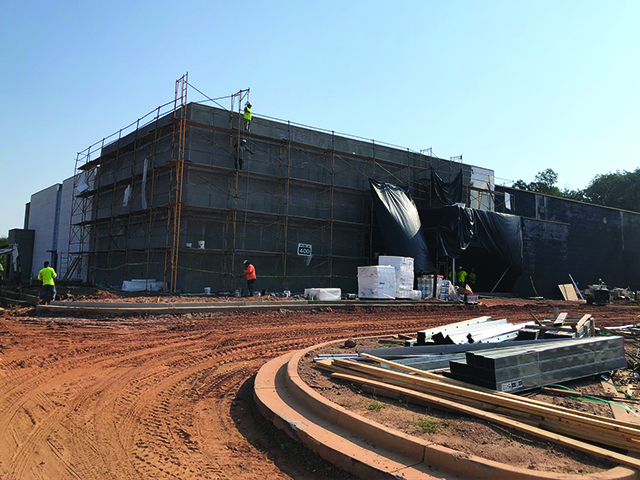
[153,397]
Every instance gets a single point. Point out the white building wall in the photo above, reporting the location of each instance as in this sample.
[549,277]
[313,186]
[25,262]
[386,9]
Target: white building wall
[49,214]
[42,219]
[65,224]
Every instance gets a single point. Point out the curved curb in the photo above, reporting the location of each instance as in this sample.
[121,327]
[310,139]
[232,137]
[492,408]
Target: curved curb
[371,450]
[331,441]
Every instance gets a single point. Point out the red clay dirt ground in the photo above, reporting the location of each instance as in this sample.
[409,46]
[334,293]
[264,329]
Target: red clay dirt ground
[171,396]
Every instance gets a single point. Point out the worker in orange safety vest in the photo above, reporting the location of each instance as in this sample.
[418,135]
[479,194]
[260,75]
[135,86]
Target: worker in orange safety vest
[250,273]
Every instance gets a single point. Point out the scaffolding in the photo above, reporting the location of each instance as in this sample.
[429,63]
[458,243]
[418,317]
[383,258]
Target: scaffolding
[163,200]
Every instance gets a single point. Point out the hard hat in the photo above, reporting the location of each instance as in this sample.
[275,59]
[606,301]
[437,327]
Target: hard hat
[245,262]
[249,104]
[243,140]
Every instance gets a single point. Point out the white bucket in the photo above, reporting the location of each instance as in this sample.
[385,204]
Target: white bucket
[207,290]
[200,243]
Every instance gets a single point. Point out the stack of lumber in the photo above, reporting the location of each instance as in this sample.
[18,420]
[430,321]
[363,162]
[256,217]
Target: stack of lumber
[529,366]
[548,422]
[560,327]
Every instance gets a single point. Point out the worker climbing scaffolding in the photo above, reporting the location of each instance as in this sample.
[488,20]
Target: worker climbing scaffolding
[240,151]
[247,116]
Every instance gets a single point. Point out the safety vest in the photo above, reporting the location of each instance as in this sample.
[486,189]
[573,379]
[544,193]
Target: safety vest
[47,275]
[250,272]
[462,276]
[247,113]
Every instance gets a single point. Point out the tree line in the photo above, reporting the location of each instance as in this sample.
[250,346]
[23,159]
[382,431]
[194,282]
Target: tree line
[614,189]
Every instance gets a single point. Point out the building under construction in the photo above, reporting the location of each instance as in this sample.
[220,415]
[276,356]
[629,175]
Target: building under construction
[165,200]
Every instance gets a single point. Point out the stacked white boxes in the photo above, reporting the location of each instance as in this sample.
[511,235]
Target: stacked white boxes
[377,281]
[404,274]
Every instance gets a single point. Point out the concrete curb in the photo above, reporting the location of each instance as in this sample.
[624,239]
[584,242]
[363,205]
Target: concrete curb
[368,449]
[97,308]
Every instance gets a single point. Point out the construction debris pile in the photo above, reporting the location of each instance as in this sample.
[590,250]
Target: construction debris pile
[552,423]
[475,367]
[507,357]
[486,330]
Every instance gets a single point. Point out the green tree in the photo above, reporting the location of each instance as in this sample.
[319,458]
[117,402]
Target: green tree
[574,195]
[544,182]
[616,189]
[613,189]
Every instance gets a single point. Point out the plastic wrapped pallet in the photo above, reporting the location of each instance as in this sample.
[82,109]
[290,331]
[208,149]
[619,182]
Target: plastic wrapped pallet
[447,291]
[425,285]
[377,281]
[142,285]
[404,274]
[323,294]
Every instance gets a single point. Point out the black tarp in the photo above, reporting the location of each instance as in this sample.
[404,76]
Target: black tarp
[447,193]
[457,227]
[400,226]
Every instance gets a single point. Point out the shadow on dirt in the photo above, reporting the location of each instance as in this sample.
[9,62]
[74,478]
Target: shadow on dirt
[290,456]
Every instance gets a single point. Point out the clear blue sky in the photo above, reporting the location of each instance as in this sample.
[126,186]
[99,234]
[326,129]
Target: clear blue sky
[513,86]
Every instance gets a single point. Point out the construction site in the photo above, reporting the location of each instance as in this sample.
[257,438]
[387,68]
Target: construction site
[362,353]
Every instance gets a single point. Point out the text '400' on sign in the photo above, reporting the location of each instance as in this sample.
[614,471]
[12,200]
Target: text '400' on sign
[304,249]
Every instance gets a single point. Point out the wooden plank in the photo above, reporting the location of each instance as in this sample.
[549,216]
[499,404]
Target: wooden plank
[515,398]
[534,420]
[560,320]
[582,321]
[611,439]
[590,424]
[563,291]
[504,421]
[568,292]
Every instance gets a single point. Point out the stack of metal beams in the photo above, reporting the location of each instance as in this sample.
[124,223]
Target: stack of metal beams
[476,330]
[529,366]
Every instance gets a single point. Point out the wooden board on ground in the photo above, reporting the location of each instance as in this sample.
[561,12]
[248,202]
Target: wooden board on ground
[568,292]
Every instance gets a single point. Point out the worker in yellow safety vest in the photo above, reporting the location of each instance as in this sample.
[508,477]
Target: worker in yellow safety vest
[461,277]
[471,278]
[247,116]
[46,276]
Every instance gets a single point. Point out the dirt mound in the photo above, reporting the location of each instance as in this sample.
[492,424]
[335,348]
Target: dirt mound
[102,295]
